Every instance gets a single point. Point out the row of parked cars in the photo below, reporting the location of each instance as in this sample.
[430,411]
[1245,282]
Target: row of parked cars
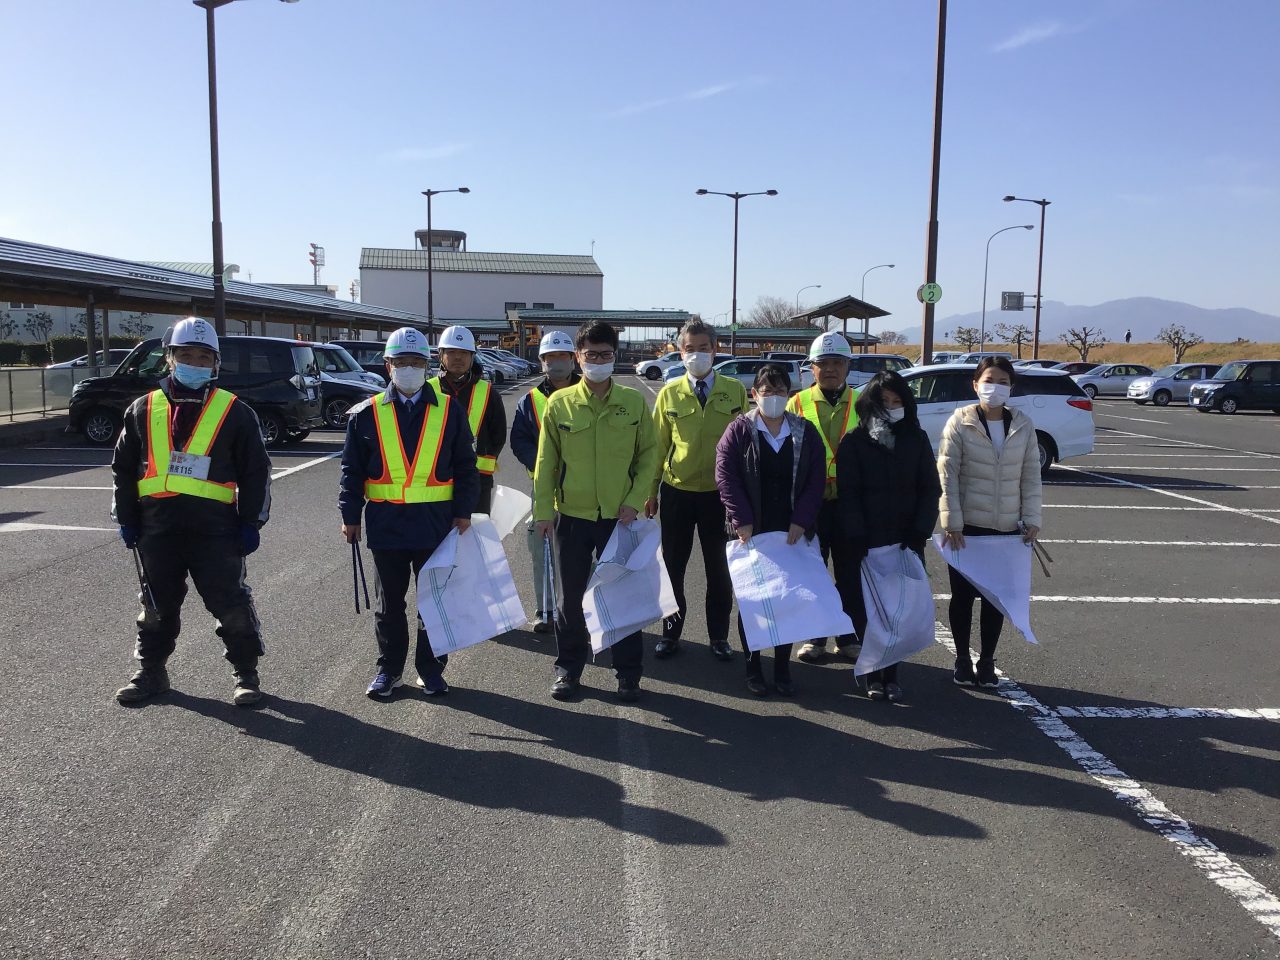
[293,386]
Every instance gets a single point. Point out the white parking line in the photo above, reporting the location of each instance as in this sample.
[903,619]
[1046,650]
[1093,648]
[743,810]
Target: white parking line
[1215,601]
[1116,416]
[1168,543]
[39,486]
[24,527]
[1256,514]
[1201,456]
[1169,713]
[1170,466]
[303,466]
[1190,443]
[53,463]
[1256,899]
[1189,485]
[1122,506]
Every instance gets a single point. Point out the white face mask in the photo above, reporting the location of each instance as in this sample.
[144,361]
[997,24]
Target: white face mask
[994,394]
[698,364]
[895,413]
[772,406]
[408,380]
[597,372]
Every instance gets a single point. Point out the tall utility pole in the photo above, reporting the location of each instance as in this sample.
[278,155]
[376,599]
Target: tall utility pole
[931,256]
[316,256]
[735,197]
[431,287]
[1035,336]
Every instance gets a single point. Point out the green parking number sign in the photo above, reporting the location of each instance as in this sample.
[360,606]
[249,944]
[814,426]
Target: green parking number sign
[929,293]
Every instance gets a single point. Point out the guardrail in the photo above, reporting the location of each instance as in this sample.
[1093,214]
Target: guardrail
[39,391]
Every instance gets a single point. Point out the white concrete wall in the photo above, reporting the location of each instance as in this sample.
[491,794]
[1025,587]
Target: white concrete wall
[478,296]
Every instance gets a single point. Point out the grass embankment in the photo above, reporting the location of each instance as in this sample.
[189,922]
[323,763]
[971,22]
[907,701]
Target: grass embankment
[1151,354]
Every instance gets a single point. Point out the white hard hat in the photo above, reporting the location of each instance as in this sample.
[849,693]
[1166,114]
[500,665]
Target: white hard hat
[406,342]
[557,341]
[829,345]
[457,338]
[192,332]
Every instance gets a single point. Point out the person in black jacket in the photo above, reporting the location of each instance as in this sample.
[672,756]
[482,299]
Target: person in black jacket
[430,486]
[190,497]
[557,356]
[888,488]
[462,378]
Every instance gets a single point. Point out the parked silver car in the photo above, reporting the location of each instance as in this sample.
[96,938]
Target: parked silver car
[744,370]
[1110,379]
[1170,383]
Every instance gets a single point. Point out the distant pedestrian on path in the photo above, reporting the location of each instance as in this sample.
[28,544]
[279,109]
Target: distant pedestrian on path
[989,467]
[1128,335]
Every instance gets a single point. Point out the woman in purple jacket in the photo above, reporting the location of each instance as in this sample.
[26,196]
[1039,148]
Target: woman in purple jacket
[769,468]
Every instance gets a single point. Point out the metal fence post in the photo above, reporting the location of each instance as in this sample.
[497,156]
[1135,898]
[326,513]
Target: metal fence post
[44,403]
[10,375]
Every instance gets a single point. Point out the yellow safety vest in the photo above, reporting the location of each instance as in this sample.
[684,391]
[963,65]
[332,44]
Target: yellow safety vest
[809,410]
[539,401]
[158,481]
[403,482]
[476,408]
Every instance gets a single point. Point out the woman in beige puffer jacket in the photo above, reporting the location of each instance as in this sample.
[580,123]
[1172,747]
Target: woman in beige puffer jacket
[989,467]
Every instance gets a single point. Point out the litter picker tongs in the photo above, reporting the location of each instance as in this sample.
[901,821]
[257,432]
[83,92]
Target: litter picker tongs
[144,583]
[357,577]
[1038,549]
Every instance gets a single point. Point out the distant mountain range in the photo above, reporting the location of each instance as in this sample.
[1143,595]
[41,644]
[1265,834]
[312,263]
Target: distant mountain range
[1143,315]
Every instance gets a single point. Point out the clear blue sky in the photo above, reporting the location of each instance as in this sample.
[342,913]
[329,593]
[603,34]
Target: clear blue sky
[1150,124]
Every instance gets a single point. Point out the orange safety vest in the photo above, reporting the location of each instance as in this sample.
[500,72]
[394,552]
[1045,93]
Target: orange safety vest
[403,482]
[158,481]
[476,408]
[809,410]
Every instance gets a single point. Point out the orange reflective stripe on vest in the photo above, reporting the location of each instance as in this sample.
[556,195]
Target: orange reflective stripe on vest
[403,482]
[476,408]
[157,481]
[809,410]
[538,400]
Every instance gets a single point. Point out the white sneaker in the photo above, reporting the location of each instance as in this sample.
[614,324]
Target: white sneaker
[811,653]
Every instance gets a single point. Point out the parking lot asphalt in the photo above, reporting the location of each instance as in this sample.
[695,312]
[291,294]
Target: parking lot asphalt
[1116,797]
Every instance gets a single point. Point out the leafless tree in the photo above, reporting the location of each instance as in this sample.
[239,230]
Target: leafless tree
[772,312]
[135,325]
[967,337]
[1083,339]
[1015,334]
[1180,339]
[39,326]
[892,338]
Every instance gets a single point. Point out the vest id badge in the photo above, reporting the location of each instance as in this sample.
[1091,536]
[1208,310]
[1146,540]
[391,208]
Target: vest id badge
[189,465]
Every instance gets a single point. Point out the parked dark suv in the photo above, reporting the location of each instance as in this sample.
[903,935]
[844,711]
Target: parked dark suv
[277,378]
[1239,385]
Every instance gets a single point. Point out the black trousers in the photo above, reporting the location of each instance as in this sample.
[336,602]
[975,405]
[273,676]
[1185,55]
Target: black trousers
[682,513]
[781,658]
[960,609]
[578,544]
[218,571]
[846,567]
[392,572]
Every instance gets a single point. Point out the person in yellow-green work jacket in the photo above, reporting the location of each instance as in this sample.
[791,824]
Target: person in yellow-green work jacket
[409,473]
[828,405]
[462,378]
[192,489]
[596,461]
[689,418]
[555,351]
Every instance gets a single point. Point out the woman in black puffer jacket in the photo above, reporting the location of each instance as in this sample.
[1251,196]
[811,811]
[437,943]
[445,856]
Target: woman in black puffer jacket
[888,487]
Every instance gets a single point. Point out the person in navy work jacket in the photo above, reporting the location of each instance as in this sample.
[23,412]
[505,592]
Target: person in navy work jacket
[409,471]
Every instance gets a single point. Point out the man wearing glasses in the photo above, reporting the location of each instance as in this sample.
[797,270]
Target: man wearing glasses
[596,460]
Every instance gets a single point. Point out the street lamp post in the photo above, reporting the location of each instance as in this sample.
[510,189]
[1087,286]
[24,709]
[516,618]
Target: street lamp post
[862,295]
[431,300]
[1035,336]
[985,263]
[219,285]
[812,286]
[733,323]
